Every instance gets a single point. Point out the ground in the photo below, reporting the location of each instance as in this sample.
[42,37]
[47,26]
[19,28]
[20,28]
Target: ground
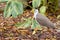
[9,32]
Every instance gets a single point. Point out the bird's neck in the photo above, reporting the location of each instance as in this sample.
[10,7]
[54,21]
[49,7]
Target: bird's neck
[35,14]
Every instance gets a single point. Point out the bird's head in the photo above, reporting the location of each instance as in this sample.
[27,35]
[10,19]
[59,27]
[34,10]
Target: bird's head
[35,11]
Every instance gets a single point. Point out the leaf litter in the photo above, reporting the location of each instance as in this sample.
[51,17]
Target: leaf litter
[8,30]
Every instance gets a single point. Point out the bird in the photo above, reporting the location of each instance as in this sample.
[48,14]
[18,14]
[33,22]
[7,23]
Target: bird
[43,20]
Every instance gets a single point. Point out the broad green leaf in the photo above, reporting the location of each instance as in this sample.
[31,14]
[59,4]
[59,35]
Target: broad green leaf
[43,9]
[36,3]
[25,24]
[19,8]
[28,22]
[3,0]
[7,10]
[14,14]
[19,25]
[13,8]
[35,24]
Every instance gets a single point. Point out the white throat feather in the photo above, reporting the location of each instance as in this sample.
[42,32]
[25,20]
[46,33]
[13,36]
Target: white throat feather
[35,12]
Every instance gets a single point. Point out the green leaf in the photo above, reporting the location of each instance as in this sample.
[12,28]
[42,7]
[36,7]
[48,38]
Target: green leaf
[28,22]
[4,0]
[13,8]
[19,7]
[35,24]
[7,10]
[25,24]
[36,3]
[14,14]
[43,9]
